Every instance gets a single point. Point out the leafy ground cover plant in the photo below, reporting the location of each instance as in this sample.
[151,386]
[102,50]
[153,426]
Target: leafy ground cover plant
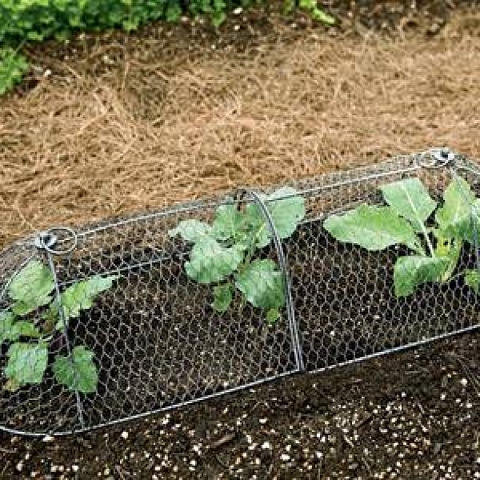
[33,319]
[37,20]
[223,253]
[13,67]
[435,234]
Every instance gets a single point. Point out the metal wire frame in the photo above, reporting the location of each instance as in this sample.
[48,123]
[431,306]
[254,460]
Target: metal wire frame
[303,346]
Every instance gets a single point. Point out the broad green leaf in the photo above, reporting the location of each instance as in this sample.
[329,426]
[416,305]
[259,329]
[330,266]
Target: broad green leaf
[272,316]
[222,295]
[454,217]
[258,232]
[262,284]
[191,230]
[373,228]
[27,363]
[229,222]
[31,288]
[78,372]
[286,214]
[210,262]
[23,329]
[450,249]
[473,233]
[472,279]
[410,199]
[412,271]
[81,295]
[7,320]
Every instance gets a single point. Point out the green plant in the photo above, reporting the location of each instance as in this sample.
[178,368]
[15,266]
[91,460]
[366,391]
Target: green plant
[33,321]
[223,253]
[13,67]
[407,220]
[310,6]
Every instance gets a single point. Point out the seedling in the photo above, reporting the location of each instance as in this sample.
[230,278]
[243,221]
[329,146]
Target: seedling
[435,234]
[223,253]
[32,322]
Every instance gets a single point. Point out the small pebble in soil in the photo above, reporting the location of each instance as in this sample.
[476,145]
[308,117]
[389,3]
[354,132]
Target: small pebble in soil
[124,435]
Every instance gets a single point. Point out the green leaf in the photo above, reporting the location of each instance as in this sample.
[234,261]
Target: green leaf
[472,279]
[412,271]
[286,214]
[272,316]
[373,228]
[229,223]
[322,16]
[191,230]
[13,66]
[78,372]
[450,249]
[23,329]
[210,262]
[262,284]
[410,199]
[31,288]
[222,295]
[27,363]
[7,320]
[81,295]
[454,217]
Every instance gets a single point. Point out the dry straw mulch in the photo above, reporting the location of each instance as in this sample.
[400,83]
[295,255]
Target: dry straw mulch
[118,130]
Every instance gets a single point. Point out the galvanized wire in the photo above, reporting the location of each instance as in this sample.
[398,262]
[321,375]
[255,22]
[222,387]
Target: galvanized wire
[157,341]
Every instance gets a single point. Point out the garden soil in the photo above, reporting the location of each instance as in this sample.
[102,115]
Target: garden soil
[114,124]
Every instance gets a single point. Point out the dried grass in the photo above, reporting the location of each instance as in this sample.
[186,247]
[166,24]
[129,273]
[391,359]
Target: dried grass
[142,134]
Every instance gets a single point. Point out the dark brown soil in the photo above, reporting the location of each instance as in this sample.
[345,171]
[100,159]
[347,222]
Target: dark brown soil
[410,415]
[112,124]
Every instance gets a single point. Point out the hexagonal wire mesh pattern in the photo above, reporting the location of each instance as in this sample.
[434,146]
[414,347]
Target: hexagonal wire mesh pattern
[157,341]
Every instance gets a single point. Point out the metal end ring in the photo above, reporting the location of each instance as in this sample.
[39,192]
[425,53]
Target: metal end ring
[435,158]
[48,240]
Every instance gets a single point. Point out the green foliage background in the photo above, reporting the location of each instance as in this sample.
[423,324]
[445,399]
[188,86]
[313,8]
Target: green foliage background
[41,19]
[36,20]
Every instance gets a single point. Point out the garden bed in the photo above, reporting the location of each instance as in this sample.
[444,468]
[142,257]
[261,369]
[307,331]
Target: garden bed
[409,415]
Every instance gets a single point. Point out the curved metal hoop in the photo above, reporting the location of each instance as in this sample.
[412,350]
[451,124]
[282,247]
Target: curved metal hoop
[282,260]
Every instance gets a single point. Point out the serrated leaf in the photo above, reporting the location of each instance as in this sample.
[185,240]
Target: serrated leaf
[455,216]
[262,284]
[78,372]
[81,295]
[286,214]
[222,295]
[191,230]
[211,262]
[412,271]
[272,316]
[472,279]
[229,222]
[373,228]
[410,199]
[31,288]
[27,363]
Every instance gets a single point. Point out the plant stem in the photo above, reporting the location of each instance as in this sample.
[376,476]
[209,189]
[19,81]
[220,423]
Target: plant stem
[429,242]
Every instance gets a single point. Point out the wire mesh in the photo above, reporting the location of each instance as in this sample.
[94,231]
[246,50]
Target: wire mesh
[156,341]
